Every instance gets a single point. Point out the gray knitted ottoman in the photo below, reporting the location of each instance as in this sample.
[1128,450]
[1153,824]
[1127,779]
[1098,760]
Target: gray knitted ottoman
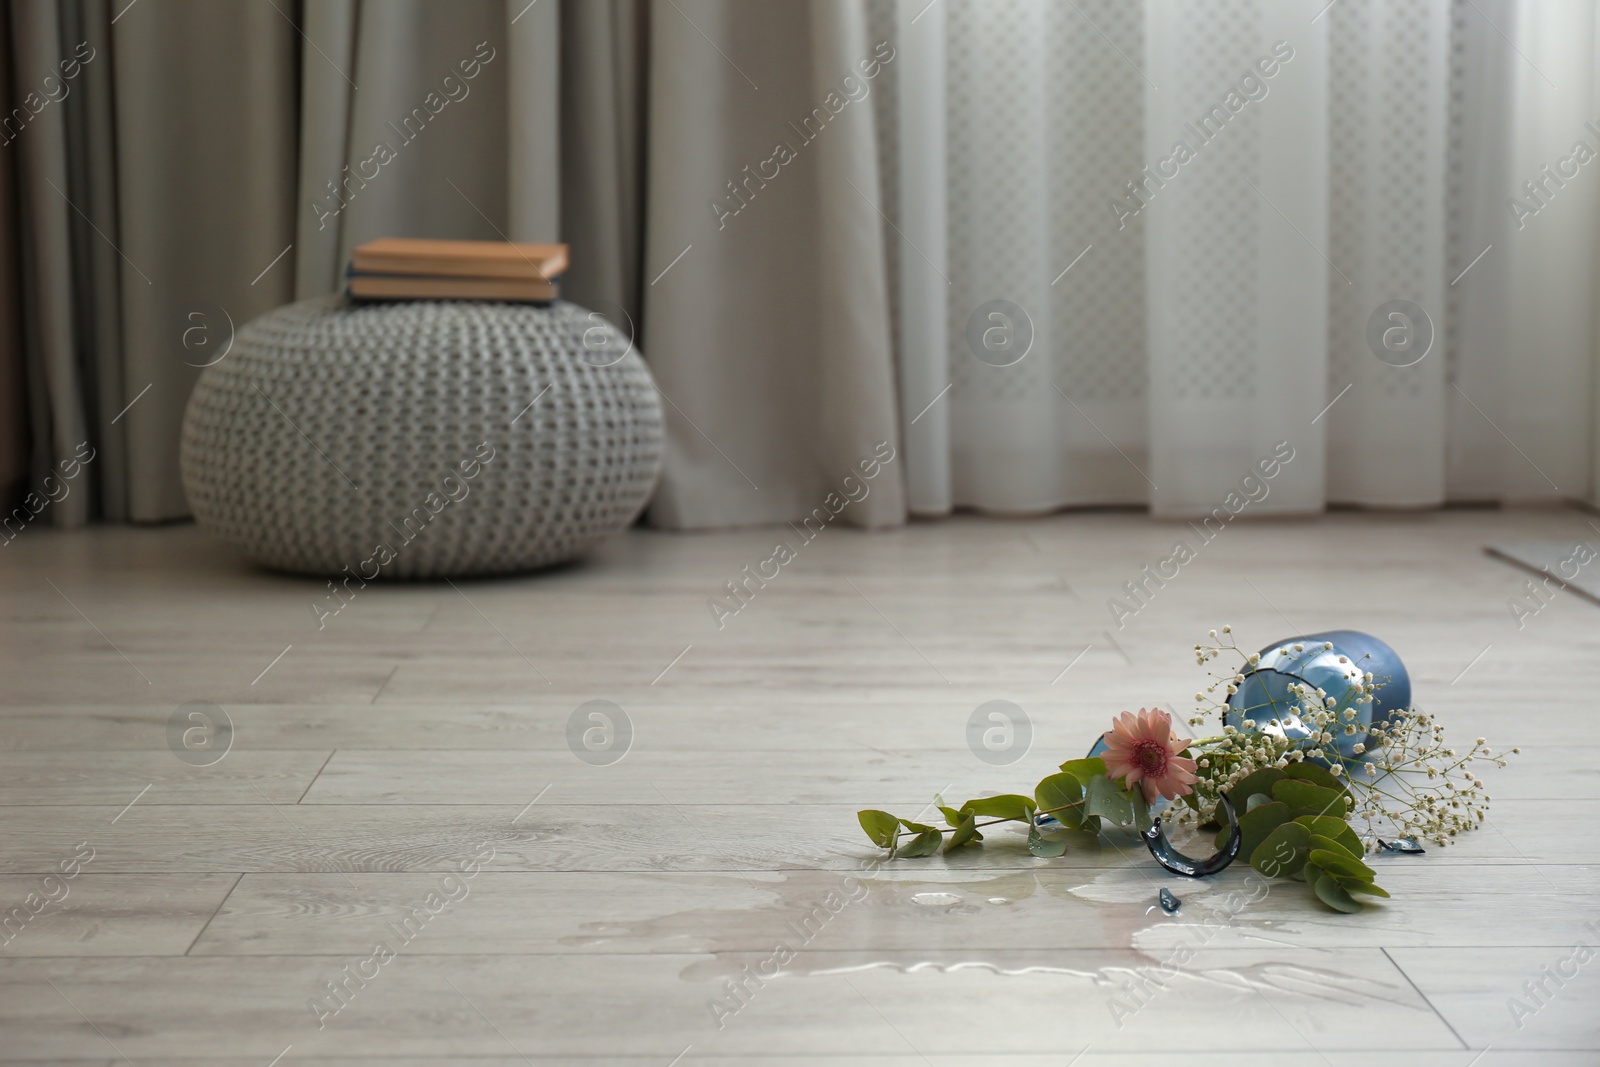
[421,439]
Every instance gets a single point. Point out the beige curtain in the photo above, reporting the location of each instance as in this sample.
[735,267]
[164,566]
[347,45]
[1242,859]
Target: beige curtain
[219,159]
[770,335]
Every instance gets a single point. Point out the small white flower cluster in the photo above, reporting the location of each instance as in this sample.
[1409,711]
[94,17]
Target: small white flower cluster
[1403,779]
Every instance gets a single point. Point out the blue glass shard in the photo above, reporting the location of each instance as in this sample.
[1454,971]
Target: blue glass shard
[1403,844]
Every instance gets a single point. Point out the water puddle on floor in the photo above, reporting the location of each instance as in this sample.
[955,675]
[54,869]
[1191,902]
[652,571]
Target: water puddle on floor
[896,908]
[1314,983]
[832,924]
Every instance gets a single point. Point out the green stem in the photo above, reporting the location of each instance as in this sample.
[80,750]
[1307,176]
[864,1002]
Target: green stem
[991,822]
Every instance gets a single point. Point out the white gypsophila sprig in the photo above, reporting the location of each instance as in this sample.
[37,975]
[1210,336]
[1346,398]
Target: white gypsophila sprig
[1415,785]
[1404,780]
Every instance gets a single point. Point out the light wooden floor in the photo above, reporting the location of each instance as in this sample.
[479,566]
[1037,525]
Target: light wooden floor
[428,723]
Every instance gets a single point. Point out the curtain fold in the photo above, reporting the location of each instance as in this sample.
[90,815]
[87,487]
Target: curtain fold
[1388,123]
[1545,370]
[605,67]
[1044,333]
[911,117]
[97,266]
[62,394]
[15,448]
[152,186]
[766,317]
[1237,277]
[204,135]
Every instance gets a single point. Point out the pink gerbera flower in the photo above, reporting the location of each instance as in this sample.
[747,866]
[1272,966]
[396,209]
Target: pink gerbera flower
[1142,750]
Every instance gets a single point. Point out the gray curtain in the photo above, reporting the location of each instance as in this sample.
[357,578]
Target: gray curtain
[14,433]
[770,336]
[155,150]
[214,160]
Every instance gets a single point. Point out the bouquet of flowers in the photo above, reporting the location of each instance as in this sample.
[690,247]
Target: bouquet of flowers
[1301,782]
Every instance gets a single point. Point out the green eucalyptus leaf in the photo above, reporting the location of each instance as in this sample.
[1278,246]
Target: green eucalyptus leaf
[1339,862]
[1310,799]
[1258,783]
[1283,852]
[1046,846]
[880,826]
[1334,829]
[1330,892]
[1084,770]
[1365,887]
[1316,775]
[965,833]
[925,843]
[1110,801]
[1004,806]
[1062,796]
[1338,848]
[1255,825]
[952,817]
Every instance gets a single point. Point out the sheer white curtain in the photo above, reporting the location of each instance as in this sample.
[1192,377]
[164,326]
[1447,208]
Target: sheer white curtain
[1524,389]
[1197,207]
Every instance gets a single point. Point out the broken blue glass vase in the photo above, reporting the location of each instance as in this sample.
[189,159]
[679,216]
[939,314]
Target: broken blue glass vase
[1335,662]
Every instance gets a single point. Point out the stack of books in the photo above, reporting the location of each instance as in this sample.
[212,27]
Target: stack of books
[412,268]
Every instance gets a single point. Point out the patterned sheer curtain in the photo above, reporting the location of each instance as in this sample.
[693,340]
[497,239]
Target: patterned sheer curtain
[1191,251]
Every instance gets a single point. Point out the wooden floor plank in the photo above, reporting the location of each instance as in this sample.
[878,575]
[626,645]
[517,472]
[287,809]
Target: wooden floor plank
[94,914]
[242,777]
[1513,997]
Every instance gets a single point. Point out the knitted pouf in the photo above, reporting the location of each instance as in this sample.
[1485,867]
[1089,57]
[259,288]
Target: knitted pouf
[421,439]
